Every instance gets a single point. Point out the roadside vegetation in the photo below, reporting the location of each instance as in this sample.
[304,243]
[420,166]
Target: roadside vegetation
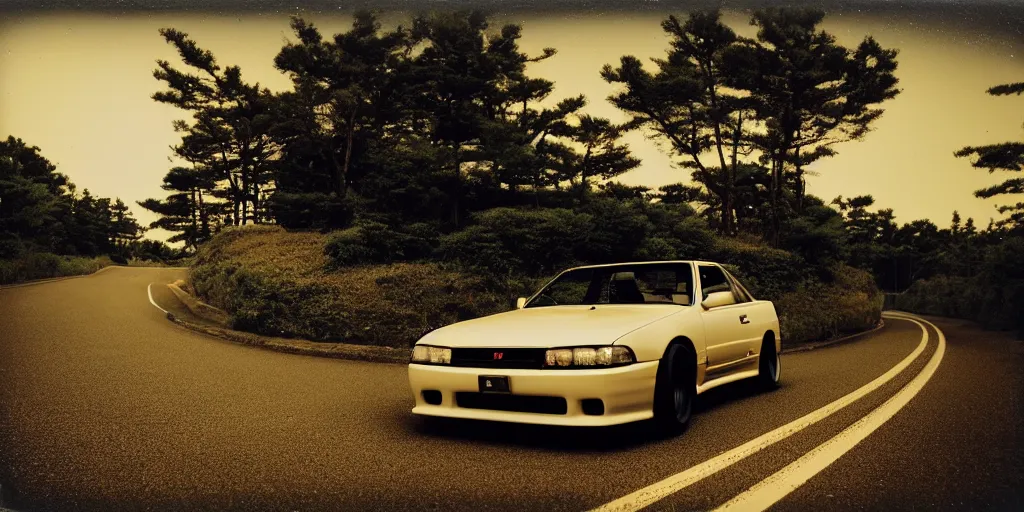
[289,284]
[982,275]
[46,265]
[419,176]
[50,229]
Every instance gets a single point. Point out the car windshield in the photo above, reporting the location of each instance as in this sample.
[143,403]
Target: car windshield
[662,283]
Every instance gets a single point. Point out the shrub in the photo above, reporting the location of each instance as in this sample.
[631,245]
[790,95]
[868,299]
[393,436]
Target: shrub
[392,305]
[313,210]
[768,273]
[11,247]
[994,298]
[281,284]
[688,235]
[375,242]
[818,311]
[346,248]
[509,241]
[46,265]
[332,287]
[617,230]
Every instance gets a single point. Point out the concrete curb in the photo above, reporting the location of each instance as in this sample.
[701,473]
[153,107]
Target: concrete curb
[803,347]
[310,348]
[198,307]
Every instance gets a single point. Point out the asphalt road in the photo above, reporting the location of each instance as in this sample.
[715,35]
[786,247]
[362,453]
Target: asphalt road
[106,405]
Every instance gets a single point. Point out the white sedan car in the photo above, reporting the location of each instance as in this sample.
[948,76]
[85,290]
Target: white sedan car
[601,345]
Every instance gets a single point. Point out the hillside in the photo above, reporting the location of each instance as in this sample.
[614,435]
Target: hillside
[282,283]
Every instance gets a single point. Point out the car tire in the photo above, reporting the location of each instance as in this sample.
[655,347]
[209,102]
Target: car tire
[769,365]
[675,390]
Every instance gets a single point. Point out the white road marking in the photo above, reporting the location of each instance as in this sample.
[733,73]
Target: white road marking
[772,489]
[149,290]
[660,490]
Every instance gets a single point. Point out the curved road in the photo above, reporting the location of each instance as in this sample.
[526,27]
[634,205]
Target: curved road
[106,405]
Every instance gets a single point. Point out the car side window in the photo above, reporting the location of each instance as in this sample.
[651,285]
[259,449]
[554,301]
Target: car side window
[738,290]
[712,280]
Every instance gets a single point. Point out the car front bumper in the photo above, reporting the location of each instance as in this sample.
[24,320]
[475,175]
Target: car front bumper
[627,393]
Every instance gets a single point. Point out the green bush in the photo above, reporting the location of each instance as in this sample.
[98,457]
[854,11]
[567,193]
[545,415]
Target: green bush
[313,210]
[994,298]
[375,242]
[334,287]
[768,273]
[509,241]
[818,311]
[388,305]
[617,230]
[283,284]
[45,265]
[346,248]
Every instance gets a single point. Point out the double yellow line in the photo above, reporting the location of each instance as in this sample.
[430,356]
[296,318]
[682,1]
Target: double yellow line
[777,486]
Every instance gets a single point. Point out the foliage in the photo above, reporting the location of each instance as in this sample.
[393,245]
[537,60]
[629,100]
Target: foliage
[817,311]
[430,149]
[292,285]
[228,145]
[42,212]
[286,289]
[46,265]
[1007,157]
[766,272]
[375,242]
[508,241]
[994,296]
[782,100]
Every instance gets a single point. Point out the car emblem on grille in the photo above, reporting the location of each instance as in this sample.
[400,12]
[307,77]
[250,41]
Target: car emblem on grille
[498,356]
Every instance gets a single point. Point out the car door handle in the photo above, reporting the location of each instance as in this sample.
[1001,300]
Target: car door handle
[744,319]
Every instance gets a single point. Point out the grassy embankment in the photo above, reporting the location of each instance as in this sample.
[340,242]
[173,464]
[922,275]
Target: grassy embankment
[282,284]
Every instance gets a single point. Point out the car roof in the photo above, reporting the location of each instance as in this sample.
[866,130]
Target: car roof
[643,263]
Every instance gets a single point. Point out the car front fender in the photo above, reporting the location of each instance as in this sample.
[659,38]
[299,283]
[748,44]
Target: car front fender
[650,341]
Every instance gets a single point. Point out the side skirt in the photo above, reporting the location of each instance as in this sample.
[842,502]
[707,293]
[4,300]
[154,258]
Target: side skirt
[726,379]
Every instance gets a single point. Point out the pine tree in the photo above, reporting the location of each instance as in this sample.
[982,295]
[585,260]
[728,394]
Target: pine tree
[687,104]
[188,210]
[809,91]
[1006,156]
[603,156]
[230,133]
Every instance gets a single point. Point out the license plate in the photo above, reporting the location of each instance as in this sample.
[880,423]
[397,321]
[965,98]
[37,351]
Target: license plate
[493,384]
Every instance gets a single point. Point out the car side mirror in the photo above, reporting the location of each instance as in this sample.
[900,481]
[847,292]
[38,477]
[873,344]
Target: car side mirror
[520,302]
[717,299]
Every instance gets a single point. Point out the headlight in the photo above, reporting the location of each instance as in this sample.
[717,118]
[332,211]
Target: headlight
[432,355]
[588,357]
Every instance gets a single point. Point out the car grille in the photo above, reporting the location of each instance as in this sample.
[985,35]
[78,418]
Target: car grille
[511,403]
[515,358]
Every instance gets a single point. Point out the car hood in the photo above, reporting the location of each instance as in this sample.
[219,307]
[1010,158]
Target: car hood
[552,326]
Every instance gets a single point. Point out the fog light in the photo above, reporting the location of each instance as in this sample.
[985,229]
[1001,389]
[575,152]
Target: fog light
[592,406]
